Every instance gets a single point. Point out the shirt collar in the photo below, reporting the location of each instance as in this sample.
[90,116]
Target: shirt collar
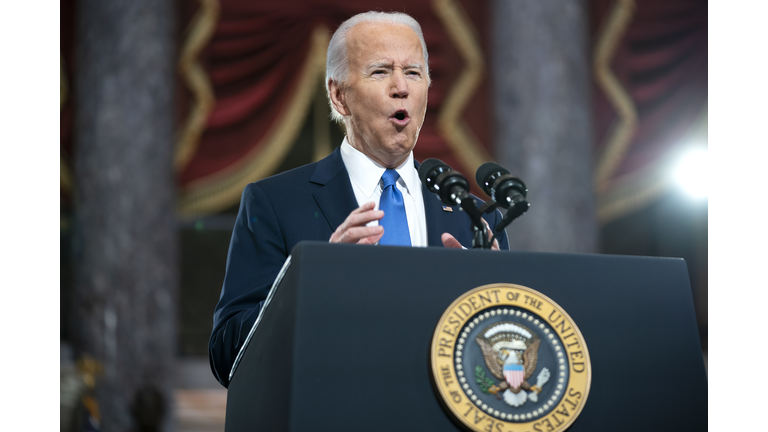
[365,173]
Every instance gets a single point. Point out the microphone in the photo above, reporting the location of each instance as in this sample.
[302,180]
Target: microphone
[451,186]
[504,188]
[453,189]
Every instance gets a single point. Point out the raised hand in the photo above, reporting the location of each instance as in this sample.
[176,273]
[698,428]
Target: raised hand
[450,241]
[354,229]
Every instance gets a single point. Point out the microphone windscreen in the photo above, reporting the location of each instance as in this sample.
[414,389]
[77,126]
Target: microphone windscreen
[428,166]
[486,170]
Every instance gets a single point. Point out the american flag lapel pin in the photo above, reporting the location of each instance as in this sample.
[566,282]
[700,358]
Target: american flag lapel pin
[448,209]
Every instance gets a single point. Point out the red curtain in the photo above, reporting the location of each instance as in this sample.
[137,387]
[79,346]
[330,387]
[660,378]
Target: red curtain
[257,54]
[258,51]
[661,61]
[255,58]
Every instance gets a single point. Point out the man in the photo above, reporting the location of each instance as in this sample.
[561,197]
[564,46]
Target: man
[377,79]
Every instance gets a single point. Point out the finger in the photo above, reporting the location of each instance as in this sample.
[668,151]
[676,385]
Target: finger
[373,239]
[355,234]
[495,245]
[362,215]
[488,227]
[360,219]
[370,205]
[450,241]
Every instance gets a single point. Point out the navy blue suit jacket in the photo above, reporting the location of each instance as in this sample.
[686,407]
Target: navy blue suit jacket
[306,203]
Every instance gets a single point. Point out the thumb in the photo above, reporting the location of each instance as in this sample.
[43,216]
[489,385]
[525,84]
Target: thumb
[450,241]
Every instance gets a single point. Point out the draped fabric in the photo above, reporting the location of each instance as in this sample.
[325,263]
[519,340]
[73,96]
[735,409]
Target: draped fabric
[264,63]
[66,47]
[661,62]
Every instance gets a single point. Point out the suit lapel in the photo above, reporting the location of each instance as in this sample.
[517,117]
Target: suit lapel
[335,196]
[438,220]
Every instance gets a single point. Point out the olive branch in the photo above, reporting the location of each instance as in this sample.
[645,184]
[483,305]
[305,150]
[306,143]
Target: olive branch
[482,380]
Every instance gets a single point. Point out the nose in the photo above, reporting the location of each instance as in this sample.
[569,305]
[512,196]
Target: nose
[399,85]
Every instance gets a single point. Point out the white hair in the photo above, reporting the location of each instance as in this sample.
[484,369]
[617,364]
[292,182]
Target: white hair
[337,59]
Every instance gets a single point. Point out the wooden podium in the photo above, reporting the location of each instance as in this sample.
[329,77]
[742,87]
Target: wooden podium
[344,342]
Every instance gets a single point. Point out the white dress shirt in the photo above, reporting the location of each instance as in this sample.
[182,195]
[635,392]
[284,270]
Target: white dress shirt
[365,176]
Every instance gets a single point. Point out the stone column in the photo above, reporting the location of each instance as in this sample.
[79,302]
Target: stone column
[125,237]
[540,67]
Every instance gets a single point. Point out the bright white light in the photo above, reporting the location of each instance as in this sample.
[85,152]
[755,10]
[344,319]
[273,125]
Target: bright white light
[693,171]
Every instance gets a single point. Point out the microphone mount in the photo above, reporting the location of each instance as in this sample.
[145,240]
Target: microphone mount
[453,189]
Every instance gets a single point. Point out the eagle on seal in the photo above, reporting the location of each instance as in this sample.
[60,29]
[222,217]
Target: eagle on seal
[511,352]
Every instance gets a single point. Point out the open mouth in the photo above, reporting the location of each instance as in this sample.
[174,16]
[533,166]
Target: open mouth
[400,117]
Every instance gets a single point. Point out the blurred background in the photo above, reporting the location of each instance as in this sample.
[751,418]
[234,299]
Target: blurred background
[169,108]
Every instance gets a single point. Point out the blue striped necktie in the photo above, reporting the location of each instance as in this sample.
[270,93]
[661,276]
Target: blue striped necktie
[395,222]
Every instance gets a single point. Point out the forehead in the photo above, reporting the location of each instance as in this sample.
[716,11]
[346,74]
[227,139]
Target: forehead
[374,42]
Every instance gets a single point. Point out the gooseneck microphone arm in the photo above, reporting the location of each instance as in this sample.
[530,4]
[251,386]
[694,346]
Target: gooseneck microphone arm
[453,189]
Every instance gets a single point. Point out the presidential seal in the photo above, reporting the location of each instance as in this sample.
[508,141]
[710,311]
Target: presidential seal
[507,358]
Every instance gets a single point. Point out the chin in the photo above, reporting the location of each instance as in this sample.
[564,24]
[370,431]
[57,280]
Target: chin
[402,147]
[404,139]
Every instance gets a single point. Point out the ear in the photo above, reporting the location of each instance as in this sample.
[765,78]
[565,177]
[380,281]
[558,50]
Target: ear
[338,97]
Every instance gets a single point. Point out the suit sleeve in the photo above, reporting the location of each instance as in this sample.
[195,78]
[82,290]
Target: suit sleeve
[256,254]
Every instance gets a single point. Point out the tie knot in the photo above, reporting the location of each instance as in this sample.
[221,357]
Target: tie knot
[390,177]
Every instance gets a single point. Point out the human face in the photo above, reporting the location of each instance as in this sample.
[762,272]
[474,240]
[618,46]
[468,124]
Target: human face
[385,98]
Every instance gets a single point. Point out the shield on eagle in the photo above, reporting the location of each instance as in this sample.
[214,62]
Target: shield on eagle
[514,375]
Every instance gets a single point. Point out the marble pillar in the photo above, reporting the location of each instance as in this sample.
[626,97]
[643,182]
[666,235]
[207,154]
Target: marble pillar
[124,232]
[540,66]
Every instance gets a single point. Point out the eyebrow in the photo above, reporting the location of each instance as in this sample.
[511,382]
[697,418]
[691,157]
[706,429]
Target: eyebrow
[390,65]
[381,65]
